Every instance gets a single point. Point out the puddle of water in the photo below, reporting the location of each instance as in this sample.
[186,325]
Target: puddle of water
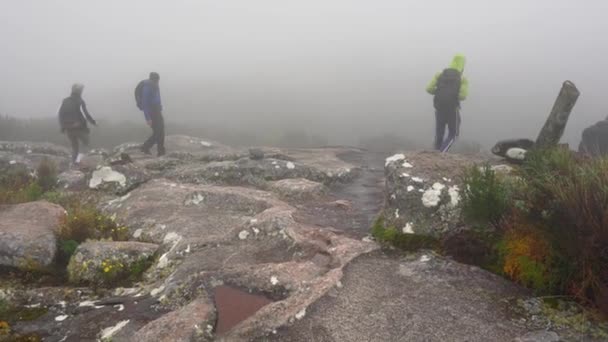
[234,306]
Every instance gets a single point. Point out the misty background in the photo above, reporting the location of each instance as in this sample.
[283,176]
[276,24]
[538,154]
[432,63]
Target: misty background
[340,69]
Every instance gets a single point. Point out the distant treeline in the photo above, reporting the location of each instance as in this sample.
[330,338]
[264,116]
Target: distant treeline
[112,133]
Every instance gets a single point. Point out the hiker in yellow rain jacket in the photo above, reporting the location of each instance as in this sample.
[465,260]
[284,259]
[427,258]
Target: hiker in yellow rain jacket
[449,87]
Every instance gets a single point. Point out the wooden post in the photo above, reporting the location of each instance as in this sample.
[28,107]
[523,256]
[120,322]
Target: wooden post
[553,130]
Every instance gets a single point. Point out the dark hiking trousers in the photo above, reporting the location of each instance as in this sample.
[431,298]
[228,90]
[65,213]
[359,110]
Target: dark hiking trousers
[76,136]
[451,119]
[158,134]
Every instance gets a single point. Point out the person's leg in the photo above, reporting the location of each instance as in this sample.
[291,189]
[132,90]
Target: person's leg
[73,136]
[160,135]
[151,140]
[452,122]
[439,129]
[83,136]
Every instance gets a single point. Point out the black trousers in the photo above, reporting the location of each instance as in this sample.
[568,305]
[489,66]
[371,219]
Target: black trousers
[77,135]
[451,119]
[158,133]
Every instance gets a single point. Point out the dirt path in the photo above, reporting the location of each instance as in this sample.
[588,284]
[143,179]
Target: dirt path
[359,202]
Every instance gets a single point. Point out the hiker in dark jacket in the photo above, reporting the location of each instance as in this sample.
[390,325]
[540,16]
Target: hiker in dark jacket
[148,100]
[449,88]
[72,121]
[595,139]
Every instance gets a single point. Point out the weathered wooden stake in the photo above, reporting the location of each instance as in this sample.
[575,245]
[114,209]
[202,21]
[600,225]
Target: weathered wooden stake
[553,130]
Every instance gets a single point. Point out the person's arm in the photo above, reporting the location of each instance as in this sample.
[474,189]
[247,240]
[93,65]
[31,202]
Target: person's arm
[86,113]
[464,89]
[432,87]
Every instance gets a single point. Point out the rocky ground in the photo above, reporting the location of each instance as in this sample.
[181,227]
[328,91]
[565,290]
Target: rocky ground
[286,230]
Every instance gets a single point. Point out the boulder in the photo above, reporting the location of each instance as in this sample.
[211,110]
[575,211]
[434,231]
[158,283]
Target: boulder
[502,147]
[298,189]
[102,262]
[423,192]
[27,234]
[193,322]
[118,179]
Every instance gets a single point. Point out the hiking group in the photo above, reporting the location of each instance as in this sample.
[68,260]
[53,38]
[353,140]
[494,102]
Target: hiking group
[448,87]
[74,116]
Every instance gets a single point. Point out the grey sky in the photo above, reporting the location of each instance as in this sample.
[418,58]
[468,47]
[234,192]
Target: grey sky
[344,68]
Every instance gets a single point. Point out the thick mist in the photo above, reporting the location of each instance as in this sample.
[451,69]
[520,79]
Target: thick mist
[344,69]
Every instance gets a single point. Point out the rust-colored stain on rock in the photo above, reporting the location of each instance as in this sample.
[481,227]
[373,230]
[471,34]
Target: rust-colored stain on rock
[234,306]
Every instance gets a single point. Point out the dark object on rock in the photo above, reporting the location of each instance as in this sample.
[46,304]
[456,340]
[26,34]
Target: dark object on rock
[256,154]
[121,160]
[553,129]
[501,147]
[595,140]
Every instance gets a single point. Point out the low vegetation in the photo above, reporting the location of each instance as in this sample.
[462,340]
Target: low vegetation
[406,242]
[82,222]
[18,185]
[549,229]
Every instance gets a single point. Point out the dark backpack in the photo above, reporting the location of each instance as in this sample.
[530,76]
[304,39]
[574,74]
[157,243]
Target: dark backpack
[448,90]
[139,95]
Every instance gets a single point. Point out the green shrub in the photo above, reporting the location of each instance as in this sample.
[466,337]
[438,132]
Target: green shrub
[406,242]
[17,185]
[485,198]
[46,173]
[86,222]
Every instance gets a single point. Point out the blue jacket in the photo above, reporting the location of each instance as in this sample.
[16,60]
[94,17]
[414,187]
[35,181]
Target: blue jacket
[151,102]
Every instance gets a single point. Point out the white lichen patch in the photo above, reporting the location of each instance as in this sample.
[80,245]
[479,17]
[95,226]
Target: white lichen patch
[301,314]
[291,165]
[12,162]
[61,318]
[425,258]
[106,175]
[405,175]
[438,186]
[394,158]
[206,144]
[417,179]
[274,280]
[137,233]
[408,229]
[243,235]
[410,188]
[87,303]
[157,290]
[195,199]
[454,193]
[397,213]
[119,307]
[107,333]
[431,198]
[171,237]
[407,165]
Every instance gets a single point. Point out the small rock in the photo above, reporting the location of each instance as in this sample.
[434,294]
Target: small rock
[61,318]
[243,235]
[301,314]
[539,336]
[343,204]
[256,154]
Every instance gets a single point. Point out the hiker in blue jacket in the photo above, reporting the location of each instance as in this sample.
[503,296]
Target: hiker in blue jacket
[147,95]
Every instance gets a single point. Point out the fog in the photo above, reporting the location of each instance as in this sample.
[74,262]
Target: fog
[344,69]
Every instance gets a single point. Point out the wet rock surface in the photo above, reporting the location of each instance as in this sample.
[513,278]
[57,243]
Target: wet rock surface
[290,227]
[27,234]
